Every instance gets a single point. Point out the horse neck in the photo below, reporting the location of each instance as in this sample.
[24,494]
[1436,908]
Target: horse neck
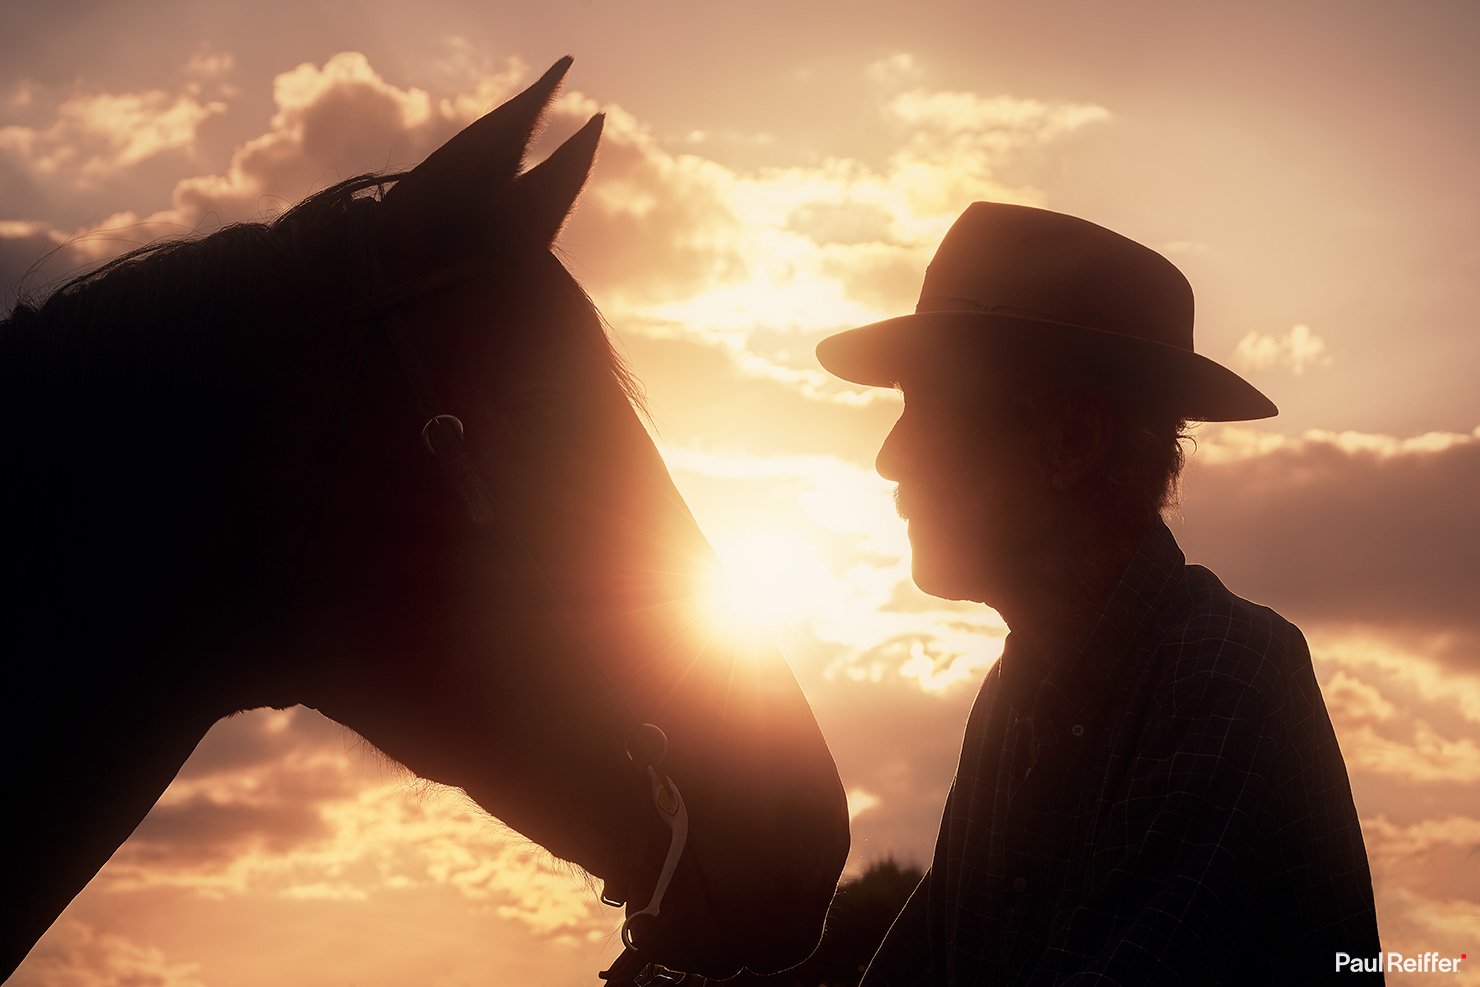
[136,597]
[99,747]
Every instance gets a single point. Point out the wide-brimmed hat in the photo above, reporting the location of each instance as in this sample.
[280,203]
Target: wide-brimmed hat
[1009,277]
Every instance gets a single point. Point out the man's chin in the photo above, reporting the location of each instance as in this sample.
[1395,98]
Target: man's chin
[938,580]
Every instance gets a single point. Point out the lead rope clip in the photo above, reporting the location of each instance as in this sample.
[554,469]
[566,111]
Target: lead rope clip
[668,802]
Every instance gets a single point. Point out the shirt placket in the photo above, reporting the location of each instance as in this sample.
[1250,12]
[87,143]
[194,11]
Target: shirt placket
[1017,869]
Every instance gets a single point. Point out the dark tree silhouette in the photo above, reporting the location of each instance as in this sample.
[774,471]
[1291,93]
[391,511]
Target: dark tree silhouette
[861,913]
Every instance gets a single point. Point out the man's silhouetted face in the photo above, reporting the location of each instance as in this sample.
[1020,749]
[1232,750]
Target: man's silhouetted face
[974,488]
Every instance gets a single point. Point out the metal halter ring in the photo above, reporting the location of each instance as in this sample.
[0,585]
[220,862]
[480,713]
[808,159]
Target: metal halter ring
[652,748]
[649,747]
[675,815]
[426,430]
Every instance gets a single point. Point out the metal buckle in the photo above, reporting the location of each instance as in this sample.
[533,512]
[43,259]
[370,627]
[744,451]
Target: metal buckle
[426,430]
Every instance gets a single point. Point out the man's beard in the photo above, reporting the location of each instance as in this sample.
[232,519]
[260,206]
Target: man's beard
[911,503]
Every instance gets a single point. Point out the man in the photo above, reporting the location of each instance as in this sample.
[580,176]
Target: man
[1150,790]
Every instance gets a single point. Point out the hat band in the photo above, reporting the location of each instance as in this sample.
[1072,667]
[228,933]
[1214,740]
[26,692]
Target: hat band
[945,303]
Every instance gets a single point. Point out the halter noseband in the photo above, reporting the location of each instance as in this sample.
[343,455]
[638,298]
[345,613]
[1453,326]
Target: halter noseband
[442,434]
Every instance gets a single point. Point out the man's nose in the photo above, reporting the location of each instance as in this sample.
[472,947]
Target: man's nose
[892,460]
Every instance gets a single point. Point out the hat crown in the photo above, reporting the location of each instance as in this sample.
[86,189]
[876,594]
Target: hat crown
[1010,280]
[1018,260]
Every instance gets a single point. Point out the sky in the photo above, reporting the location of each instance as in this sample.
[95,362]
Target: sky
[771,173]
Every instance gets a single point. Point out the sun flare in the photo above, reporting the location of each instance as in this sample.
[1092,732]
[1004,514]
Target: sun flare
[764,579]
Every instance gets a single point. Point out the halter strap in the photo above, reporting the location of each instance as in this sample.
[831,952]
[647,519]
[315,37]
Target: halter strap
[443,433]
[443,436]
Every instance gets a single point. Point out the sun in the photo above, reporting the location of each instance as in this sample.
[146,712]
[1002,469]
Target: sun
[764,579]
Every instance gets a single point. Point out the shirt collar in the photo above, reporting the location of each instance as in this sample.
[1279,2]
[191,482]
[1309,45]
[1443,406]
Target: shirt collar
[1084,679]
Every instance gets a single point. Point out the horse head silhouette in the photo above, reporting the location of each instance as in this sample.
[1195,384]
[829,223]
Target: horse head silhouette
[378,457]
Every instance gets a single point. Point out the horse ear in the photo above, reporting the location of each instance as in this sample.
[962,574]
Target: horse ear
[538,201]
[486,154]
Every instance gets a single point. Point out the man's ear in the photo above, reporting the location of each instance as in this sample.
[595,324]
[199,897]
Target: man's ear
[1085,432]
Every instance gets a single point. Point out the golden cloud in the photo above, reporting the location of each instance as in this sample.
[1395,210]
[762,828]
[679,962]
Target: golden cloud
[1431,858]
[670,243]
[96,134]
[278,803]
[74,954]
[331,122]
[1294,351]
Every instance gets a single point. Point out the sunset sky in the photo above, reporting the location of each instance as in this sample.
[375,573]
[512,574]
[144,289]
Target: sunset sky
[772,172]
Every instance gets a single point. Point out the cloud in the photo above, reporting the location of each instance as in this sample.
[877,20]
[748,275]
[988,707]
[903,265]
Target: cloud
[202,831]
[860,801]
[331,122]
[1424,757]
[1424,876]
[894,69]
[899,745]
[96,134]
[207,65]
[813,249]
[713,398]
[23,245]
[652,224]
[1351,529]
[74,954]
[1351,701]
[79,140]
[672,244]
[1295,351]
[995,123]
[239,743]
[259,785]
[1435,857]
[761,262]
[289,805]
[1418,673]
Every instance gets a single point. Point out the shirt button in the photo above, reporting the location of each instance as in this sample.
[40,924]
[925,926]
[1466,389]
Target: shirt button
[1019,884]
[1077,730]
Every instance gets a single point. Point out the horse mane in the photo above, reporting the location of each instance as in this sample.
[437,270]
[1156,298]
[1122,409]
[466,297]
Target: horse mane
[127,401]
[238,258]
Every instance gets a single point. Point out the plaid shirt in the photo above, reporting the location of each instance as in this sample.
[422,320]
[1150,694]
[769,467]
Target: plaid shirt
[1166,805]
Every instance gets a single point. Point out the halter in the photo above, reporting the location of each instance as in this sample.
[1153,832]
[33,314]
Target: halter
[442,435]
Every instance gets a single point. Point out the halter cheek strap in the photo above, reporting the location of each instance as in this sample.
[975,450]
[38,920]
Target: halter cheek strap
[676,815]
[652,748]
[443,436]
[443,433]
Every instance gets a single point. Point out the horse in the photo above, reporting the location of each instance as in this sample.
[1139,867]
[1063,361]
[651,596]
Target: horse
[378,457]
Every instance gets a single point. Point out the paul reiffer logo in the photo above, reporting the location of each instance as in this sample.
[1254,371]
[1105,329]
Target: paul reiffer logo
[1398,963]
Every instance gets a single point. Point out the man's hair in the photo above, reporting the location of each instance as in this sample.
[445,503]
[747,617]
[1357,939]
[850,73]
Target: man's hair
[1139,476]
[1142,473]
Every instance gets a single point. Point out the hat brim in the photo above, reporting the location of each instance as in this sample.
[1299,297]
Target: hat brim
[962,346]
